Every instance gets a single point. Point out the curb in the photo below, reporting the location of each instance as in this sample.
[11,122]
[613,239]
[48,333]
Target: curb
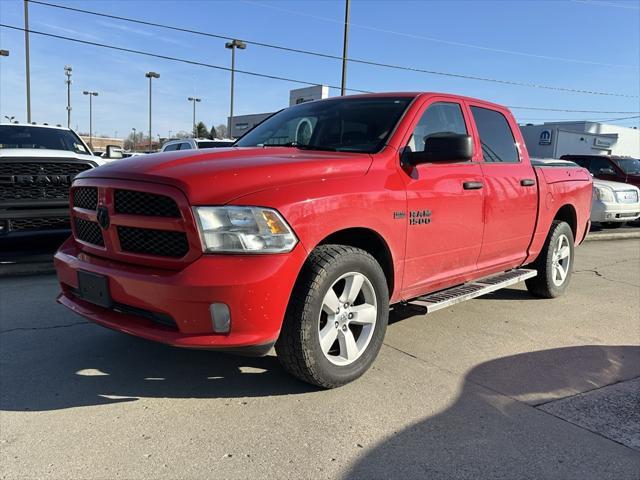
[612,236]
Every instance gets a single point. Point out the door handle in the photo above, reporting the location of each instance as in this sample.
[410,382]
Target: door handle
[527,182]
[472,185]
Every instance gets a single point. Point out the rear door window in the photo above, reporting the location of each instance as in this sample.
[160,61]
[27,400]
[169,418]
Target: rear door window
[170,148]
[496,137]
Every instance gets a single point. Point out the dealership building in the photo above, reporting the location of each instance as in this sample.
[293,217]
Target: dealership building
[241,124]
[554,139]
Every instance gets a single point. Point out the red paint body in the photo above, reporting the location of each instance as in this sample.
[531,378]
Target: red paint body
[473,233]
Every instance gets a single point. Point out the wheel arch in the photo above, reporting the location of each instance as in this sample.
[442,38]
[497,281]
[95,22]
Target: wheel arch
[371,242]
[567,213]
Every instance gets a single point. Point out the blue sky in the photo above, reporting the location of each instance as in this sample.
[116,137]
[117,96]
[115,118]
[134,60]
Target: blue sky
[594,45]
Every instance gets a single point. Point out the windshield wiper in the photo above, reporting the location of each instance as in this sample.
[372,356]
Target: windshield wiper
[301,146]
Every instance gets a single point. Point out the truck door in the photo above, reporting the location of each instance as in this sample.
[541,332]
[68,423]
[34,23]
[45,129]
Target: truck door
[444,199]
[511,194]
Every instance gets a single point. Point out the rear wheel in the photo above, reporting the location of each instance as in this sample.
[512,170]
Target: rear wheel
[337,317]
[554,264]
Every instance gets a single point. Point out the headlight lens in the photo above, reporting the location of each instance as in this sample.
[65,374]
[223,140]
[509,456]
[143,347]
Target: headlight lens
[243,230]
[603,194]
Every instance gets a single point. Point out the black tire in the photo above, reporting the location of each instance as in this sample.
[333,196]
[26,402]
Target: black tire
[298,347]
[543,284]
[611,224]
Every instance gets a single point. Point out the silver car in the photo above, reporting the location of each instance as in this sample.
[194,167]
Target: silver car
[614,203]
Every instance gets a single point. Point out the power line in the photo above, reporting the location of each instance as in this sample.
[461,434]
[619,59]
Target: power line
[256,74]
[176,59]
[336,57]
[439,40]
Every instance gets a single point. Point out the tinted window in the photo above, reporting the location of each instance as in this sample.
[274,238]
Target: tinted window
[21,136]
[583,162]
[345,124]
[442,117]
[496,137]
[628,165]
[599,164]
[170,148]
[184,146]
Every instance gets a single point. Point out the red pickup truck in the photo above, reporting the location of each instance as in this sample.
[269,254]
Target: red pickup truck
[305,231]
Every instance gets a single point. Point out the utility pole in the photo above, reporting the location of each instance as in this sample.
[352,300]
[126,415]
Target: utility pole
[150,76]
[194,100]
[26,58]
[91,95]
[233,45]
[67,72]
[133,148]
[345,48]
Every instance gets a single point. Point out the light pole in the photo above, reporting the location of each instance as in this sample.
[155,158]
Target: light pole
[67,72]
[91,95]
[233,45]
[345,45]
[169,134]
[26,59]
[10,118]
[150,76]
[134,139]
[194,100]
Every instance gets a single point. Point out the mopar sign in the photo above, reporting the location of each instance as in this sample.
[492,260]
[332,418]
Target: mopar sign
[545,137]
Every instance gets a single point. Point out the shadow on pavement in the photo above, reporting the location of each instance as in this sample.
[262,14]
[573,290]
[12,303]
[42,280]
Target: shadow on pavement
[486,433]
[87,365]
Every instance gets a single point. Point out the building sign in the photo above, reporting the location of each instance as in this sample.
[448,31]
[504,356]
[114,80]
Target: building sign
[545,137]
[603,143]
[308,94]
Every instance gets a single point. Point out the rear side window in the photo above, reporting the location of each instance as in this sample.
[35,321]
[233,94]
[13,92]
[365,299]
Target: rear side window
[496,137]
[185,146]
[439,118]
[173,146]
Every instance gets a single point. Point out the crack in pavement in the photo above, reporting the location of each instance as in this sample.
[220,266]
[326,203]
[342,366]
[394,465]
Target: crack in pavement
[600,275]
[17,329]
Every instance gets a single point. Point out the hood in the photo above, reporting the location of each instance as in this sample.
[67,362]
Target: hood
[44,153]
[616,186]
[215,177]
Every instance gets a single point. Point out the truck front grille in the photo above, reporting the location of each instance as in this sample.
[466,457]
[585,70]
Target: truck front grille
[130,221]
[89,232]
[132,202]
[39,223]
[85,197]
[33,180]
[153,242]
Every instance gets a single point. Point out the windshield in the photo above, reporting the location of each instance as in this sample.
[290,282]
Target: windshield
[345,124]
[628,165]
[23,136]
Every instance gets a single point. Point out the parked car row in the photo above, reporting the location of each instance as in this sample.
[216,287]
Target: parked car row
[613,203]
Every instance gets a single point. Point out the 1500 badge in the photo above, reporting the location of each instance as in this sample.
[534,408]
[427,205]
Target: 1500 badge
[419,217]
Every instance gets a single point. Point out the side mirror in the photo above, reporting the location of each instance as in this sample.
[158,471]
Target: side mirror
[447,147]
[114,151]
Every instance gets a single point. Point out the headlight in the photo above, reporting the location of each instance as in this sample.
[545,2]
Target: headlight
[243,230]
[603,194]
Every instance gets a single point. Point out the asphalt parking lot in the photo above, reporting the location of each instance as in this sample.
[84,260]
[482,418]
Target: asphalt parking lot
[505,386]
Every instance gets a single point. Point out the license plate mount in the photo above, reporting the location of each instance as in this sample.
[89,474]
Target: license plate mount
[94,288]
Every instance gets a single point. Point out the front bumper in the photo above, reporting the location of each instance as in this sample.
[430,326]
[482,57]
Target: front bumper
[256,288]
[614,212]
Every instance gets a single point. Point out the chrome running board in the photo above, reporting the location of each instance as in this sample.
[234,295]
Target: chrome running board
[467,291]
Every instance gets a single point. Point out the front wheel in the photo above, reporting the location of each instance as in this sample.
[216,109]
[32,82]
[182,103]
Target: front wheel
[337,317]
[554,263]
